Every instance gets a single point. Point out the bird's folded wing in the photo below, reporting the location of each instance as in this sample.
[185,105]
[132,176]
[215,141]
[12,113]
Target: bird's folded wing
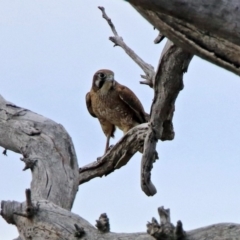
[132,101]
[89,104]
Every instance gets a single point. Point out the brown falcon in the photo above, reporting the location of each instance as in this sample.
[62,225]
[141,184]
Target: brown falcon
[114,105]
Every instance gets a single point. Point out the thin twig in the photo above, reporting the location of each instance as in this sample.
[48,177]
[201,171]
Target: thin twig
[118,41]
[104,15]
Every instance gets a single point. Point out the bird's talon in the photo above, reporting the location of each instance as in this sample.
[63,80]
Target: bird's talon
[110,147]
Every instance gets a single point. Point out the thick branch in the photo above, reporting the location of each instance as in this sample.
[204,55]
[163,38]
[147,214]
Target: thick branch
[118,41]
[207,28]
[53,222]
[168,83]
[47,150]
[117,156]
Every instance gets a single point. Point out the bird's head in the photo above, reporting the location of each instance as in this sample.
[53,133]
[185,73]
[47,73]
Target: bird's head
[103,79]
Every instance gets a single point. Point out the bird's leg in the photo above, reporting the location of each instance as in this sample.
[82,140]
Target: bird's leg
[107,144]
[106,147]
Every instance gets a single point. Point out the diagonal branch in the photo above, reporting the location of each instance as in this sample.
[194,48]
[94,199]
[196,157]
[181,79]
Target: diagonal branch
[117,156]
[118,41]
[104,15]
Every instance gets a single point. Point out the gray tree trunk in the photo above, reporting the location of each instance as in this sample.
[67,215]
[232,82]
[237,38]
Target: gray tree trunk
[207,28]
[49,153]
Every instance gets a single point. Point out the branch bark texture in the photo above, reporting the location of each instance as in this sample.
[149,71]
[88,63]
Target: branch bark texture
[117,157]
[52,218]
[49,153]
[209,29]
[55,223]
[48,145]
[168,83]
[118,41]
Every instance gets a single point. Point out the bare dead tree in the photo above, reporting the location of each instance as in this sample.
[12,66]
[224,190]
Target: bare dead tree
[207,28]
[49,153]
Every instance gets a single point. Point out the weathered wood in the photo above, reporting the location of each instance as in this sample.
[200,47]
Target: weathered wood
[207,28]
[38,139]
[118,41]
[168,83]
[49,153]
[30,209]
[20,127]
[103,224]
[55,223]
[117,156]
[132,142]
[164,230]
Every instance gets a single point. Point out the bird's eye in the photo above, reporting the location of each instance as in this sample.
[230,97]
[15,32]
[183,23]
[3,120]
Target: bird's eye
[102,75]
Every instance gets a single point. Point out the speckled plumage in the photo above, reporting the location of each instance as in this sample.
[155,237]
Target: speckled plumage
[113,104]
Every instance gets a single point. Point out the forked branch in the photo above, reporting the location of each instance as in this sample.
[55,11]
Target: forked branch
[165,230]
[47,150]
[167,82]
[118,41]
[117,156]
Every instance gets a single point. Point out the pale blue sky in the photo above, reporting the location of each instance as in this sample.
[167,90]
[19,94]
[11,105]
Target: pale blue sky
[49,51]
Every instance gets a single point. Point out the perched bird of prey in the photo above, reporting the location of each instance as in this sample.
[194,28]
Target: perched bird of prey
[114,105]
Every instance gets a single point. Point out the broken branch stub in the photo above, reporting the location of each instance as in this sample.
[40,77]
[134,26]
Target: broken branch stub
[30,209]
[165,230]
[103,224]
[117,156]
[53,222]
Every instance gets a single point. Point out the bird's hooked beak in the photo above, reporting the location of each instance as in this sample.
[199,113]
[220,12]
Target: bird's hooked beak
[109,81]
[110,77]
